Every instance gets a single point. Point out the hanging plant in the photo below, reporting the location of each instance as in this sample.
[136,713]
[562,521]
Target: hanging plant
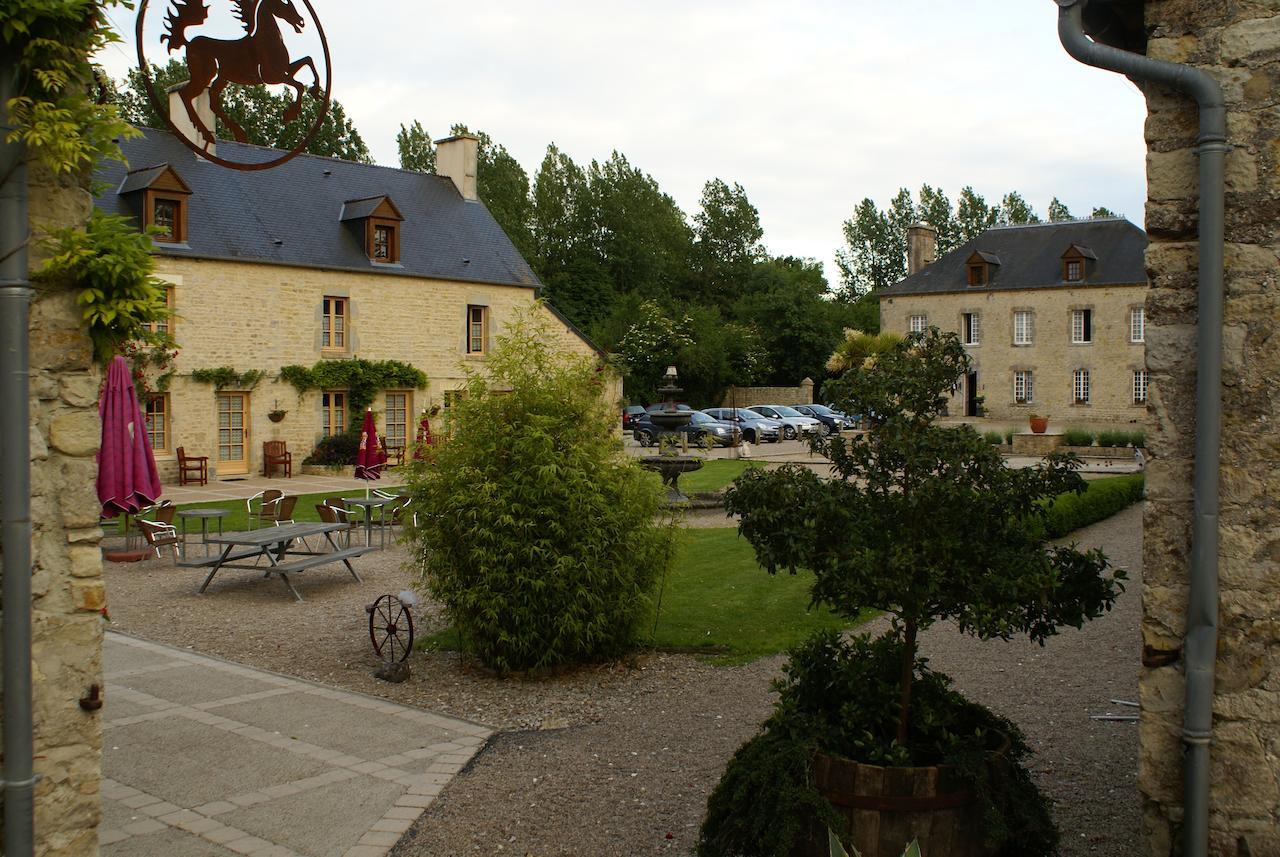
[224,377]
[362,379]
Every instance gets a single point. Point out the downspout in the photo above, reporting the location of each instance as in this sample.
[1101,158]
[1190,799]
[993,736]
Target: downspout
[1201,642]
[15,470]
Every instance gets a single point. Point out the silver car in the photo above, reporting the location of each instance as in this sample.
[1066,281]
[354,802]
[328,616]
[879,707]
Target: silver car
[755,427]
[794,423]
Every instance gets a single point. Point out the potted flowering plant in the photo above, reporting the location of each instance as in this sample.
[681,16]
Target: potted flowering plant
[1039,424]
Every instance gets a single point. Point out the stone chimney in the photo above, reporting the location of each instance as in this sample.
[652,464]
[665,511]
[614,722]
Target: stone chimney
[456,158]
[181,119]
[922,246]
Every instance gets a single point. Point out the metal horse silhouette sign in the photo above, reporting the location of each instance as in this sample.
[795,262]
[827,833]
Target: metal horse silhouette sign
[261,56]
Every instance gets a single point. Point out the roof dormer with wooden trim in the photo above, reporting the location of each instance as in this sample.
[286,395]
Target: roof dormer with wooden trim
[1077,263]
[376,221]
[980,266]
[163,202]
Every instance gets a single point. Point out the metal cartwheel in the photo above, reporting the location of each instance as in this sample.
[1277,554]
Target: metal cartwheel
[391,628]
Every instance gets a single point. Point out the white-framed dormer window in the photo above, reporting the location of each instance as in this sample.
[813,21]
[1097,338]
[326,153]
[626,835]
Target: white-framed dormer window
[1023,327]
[917,323]
[1138,324]
[1141,380]
[1080,387]
[1023,389]
[1081,326]
[971,328]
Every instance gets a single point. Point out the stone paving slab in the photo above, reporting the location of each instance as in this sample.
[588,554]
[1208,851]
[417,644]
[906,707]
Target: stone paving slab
[206,757]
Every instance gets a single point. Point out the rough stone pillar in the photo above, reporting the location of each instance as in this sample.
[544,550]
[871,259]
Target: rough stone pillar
[67,587]
[1238,43]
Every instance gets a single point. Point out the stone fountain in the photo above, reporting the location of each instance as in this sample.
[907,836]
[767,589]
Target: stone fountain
[667,423]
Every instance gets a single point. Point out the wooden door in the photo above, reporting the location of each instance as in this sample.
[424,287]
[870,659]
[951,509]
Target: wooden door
[971,395]
[233,433]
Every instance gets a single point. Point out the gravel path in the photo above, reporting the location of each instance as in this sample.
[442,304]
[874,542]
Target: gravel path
[618,759]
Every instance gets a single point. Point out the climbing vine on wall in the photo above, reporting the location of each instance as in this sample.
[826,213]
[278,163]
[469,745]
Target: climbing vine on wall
[223,377]
[362,379]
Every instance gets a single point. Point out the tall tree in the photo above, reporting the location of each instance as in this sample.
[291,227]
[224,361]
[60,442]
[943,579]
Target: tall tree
[873,256]
[1016,210]
[934,208]
[727,241]
[789,303]
[256,109]
[1058,211]
[973,215]
[1103,211]
[417,150]
[503,186]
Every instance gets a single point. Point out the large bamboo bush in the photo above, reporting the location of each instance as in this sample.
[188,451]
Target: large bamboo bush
[541,538]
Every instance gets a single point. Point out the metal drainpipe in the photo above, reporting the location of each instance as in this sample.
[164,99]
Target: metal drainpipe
[1201,643]
[15,493]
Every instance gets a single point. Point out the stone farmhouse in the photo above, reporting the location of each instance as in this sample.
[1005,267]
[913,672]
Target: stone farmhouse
[317,259]
[1051,314]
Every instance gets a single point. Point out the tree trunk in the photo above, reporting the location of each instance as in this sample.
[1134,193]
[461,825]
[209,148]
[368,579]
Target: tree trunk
[904,680]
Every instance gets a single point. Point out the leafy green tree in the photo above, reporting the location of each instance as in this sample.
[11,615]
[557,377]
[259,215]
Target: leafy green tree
[1058,211]
[789,303]
[924,522]
[256,109]
[935,209]
[727,242]
[873,256]
[542,540]
[417,149]
[1016,210]
[1102,211]
[973,215]
[503,186]
[859,346]
[653,341]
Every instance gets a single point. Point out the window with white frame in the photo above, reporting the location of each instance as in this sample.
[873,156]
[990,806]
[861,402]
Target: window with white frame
[1022,387]
[1081,326]
[1140,381]
[1137,324]
[1023,327]
[971,328]
[1080,386]
[917,323]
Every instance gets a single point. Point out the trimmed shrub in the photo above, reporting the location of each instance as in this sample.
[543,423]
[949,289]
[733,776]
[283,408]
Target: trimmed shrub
[1101,499]
[993,437]
[1078,437]
[1008,436]
[335,450]
[1112,439]
[543,540]
[1138,439]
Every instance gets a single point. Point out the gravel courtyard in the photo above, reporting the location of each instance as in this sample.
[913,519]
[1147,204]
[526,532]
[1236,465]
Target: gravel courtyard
[618,759]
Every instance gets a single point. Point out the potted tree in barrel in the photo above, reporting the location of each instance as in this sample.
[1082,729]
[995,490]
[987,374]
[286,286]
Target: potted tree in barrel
[925,523]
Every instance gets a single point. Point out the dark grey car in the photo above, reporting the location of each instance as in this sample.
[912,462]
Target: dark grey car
[755,428]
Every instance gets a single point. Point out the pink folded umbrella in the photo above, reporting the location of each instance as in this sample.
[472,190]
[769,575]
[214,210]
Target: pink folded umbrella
[369,458]
[127,476]
[424,438]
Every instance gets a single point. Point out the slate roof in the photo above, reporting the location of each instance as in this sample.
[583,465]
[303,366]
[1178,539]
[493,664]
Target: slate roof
[1031,258]
[290,215]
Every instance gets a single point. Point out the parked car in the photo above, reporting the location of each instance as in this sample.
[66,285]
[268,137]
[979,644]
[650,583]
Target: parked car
[755,427]
[699,428]
[794,423]
[832,422]
[630,414]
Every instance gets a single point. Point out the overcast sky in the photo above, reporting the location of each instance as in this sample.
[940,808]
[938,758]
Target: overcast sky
[810,105]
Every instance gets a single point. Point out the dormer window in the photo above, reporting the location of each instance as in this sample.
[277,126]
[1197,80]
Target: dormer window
[979,267]
[376,221]
[163,204]
[1075,263]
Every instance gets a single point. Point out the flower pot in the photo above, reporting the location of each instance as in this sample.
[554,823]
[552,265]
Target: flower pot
[888,807]
[1039,424]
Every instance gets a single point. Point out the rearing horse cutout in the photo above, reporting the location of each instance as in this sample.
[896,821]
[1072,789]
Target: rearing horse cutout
[261,56]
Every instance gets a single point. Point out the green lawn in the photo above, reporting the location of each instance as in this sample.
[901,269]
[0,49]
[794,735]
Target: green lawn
[238,519]
[715,474]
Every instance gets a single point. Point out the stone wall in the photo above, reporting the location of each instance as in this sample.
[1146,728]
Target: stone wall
[67,585]
[252,316]
[1239,44]
[1111,357]
[745,397]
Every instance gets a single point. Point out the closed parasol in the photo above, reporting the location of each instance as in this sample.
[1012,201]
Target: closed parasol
[369,457]
[127,476]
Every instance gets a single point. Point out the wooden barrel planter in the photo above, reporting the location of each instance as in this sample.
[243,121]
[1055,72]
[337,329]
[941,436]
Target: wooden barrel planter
[886,808]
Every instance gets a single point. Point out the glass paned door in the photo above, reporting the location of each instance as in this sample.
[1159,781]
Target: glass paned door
[233,433]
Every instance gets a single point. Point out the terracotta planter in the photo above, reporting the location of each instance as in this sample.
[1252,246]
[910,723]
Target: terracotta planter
[888,807]
[1039,424]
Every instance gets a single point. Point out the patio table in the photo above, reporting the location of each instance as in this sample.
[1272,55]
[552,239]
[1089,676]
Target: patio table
[204,516]
[369,504]
[277,545]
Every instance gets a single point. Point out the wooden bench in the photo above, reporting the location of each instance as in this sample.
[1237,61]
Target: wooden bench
[285,569]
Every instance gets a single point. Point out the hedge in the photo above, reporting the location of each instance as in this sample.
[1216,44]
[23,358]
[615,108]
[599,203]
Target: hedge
[1102,499]
[1077,437]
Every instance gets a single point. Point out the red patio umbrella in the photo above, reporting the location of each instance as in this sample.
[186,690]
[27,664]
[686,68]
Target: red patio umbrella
[369,457]
[127,476]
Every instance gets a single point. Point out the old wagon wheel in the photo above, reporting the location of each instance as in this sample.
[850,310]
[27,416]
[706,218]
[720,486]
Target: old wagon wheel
[390,628]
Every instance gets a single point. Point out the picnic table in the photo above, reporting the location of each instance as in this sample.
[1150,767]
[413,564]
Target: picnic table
[278,545]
